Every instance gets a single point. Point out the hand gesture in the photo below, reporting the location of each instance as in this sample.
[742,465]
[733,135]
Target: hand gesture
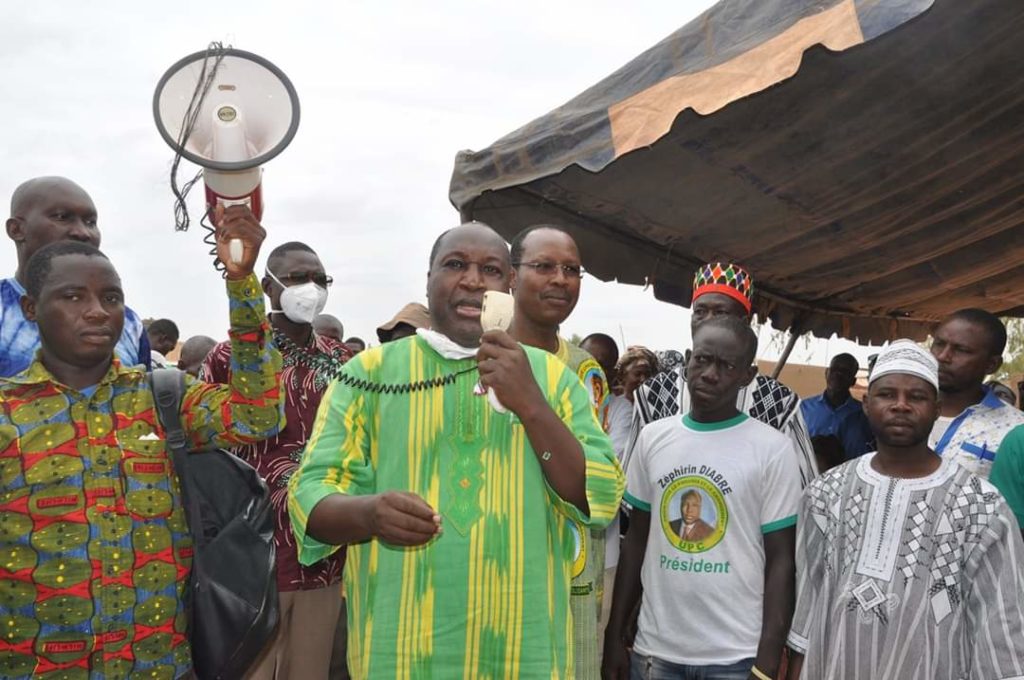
[403,518]
[505,368]
[237,221]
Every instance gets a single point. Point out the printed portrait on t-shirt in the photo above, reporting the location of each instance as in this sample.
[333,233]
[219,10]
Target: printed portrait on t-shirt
[592,377]
[589,374]
[596,388]
[693,514]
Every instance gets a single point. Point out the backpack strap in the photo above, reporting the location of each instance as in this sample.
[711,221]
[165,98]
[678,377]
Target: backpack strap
[168,385]
[168,391]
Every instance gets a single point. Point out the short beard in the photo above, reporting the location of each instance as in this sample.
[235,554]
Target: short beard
[956,389]
[918,439]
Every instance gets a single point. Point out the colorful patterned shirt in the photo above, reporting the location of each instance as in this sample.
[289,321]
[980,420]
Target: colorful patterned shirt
[590,374]
[19,337]
[489,597]
[276,458]
[588,561]
[975,436]
[94,545]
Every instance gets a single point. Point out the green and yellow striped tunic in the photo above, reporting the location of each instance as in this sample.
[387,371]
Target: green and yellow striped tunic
[489,597]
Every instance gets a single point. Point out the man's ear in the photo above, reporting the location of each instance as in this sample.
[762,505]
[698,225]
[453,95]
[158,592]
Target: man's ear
[994,362]
[14,230]
[513,277]
[28,305]
[265,283]
[751,374]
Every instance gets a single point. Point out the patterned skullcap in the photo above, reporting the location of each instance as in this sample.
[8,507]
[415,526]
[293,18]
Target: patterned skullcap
[725,278]
[909,358]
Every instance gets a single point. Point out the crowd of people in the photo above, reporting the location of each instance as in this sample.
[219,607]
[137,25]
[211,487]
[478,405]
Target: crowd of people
[455,503]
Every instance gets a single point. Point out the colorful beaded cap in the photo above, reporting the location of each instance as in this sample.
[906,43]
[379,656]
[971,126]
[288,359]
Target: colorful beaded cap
[725,278]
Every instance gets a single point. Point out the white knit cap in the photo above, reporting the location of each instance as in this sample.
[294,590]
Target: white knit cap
[907,357]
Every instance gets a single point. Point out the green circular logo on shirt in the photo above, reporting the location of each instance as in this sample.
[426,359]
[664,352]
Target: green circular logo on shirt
[693,514]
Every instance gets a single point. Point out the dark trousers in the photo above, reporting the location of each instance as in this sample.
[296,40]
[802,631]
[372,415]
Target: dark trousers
[339,663]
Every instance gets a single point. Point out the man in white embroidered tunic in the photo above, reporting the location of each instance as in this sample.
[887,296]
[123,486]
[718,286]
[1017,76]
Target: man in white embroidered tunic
[909,567]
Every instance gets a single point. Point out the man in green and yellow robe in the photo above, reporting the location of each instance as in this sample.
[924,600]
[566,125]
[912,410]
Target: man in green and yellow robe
[460,555]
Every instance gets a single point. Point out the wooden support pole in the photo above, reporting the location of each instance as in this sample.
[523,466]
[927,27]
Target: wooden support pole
[794,333]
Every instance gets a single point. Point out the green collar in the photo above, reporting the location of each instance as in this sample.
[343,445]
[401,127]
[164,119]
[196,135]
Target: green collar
[711,427]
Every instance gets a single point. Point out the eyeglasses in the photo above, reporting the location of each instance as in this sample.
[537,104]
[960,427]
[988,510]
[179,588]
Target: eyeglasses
[297,278]
[570,271]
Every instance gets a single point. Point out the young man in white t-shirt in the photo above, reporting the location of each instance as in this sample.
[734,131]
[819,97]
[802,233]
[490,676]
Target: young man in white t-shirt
[711,537]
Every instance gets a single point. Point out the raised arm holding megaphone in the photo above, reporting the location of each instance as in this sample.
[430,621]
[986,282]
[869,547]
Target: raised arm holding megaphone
[239,235]
[229,112]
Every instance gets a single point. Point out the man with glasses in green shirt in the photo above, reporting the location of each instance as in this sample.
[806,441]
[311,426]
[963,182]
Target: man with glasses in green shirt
[546,274]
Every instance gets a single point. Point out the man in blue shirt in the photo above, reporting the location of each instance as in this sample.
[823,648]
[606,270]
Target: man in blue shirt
[45,210]
[836,412]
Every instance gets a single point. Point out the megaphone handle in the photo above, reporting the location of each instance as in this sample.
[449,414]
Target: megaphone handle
[235,250]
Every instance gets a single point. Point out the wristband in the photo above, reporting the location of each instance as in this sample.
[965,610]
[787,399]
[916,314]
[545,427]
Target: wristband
[759,674]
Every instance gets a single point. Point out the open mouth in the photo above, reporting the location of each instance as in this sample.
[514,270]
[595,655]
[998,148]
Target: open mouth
[468,309]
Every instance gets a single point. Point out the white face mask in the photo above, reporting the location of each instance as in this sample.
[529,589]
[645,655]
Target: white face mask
[300,303]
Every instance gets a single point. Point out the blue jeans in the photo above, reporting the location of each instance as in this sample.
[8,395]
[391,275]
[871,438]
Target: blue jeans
[650,668]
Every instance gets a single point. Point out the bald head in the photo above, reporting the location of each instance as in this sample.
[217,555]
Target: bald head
[194,352]
[518,247]
[46,210]
[329,325]
[39,188]
[474,231]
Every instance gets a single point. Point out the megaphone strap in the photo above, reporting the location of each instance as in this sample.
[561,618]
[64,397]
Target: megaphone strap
[330,368]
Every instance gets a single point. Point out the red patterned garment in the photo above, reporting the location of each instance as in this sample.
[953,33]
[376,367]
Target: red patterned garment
[95,551]
[278,457]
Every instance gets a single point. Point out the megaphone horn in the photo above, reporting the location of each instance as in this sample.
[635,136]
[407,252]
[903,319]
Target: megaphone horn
[229,112]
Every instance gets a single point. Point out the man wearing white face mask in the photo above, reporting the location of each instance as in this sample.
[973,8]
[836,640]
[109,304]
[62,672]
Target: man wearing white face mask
[296,284]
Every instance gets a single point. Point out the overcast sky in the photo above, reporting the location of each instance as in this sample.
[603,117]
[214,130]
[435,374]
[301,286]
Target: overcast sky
[389,92]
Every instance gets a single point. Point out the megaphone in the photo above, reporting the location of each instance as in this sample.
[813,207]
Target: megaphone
[229,112]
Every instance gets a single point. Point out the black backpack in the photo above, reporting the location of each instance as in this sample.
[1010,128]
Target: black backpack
[232,592]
